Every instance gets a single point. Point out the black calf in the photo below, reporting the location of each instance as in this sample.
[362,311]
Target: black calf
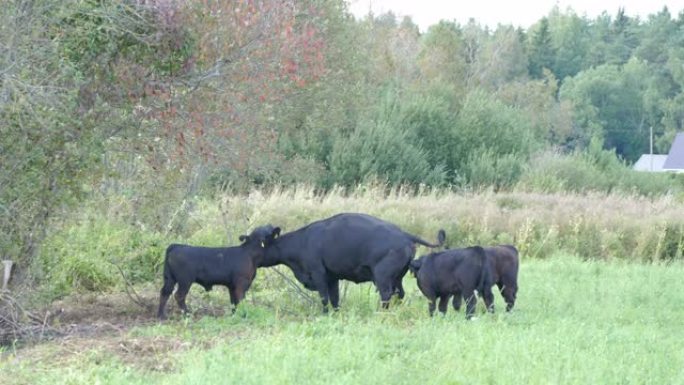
[503,262]
[457,272]
[234,267]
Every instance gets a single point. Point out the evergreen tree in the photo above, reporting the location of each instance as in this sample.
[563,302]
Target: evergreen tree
[541,52]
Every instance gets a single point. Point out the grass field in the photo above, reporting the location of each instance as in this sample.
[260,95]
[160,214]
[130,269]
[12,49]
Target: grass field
[576,322]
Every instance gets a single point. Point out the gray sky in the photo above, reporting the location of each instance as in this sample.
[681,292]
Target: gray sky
[516,12]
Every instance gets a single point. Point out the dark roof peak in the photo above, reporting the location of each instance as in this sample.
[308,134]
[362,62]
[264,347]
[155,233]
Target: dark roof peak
[675,158]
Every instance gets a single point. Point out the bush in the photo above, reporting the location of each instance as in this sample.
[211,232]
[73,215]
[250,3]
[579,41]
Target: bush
[485,124]
[91,254]
[428,122]
[379,150]
[553,172]
[485,169]
[594,170]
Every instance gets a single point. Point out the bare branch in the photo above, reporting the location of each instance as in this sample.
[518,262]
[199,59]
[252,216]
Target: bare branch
[296,288]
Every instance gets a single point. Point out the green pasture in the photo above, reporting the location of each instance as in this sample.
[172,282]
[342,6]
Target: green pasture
[576,322]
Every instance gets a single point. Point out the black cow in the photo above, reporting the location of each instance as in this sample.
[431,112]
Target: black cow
[233,267]
[457,272]
[504,262]
[355,247]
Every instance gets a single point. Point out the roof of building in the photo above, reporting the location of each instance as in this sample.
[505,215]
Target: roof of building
[675,158]
[647,161]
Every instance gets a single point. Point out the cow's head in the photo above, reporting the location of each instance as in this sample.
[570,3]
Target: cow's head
[261,236]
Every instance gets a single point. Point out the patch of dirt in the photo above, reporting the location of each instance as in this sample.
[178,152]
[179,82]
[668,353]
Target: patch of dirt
[143,353]
[113,309]
[96,327]
[151,353]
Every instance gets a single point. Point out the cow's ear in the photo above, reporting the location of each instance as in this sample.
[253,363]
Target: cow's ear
[275,233]
[244,238]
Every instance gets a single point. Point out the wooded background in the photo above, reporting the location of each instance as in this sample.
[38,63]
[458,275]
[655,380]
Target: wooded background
[157,102]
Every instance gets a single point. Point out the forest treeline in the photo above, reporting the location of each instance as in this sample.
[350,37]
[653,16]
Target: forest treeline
[159,101]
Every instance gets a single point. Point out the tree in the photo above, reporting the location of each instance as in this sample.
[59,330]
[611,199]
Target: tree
[609,103]
[623,38]
[47,142]
[541,53]
[171,92]
[486,124]
[655,36]
[550,119]
[442,57]
[500,60]
[570,39]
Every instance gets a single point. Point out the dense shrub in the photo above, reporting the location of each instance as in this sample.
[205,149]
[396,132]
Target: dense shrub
[428,121]
[485,124]
[484,169]
[589,171]
[98,254]
[377,150]
[553,172]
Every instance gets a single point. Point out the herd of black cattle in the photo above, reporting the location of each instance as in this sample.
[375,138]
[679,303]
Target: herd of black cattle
[354,247]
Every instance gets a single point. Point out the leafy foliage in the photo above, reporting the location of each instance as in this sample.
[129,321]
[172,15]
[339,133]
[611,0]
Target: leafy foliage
[376,150]
[164,102]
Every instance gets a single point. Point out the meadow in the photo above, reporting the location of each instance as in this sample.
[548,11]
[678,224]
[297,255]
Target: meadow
[600,288]
[576,322]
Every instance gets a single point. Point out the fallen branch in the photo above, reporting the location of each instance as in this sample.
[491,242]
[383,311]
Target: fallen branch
[295,286]
[130,291]
[18,324]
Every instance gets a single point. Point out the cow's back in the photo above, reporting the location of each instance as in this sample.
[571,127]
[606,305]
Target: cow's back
[214,264]
[348,243]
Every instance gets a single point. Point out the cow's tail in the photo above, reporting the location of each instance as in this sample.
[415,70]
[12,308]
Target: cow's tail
[441,237]
[169,279]
[484,278]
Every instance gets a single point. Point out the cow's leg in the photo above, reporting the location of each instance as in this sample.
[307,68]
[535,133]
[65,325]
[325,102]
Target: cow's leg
[399,288]
[471,302]
[443,303]
[321,282]
[181,293]
[237,293]
[500,285]
[407,255]
[457,302]
[164,295]
[432,306]
[385,274]
[384,286]
[334,293]
[509,293]
[488,298]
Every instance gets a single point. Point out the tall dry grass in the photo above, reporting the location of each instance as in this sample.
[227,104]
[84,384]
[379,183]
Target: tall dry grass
[87,251]
[591,225]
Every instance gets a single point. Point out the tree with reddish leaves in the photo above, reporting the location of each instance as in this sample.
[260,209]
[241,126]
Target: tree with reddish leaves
[214,110]
[144,97]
